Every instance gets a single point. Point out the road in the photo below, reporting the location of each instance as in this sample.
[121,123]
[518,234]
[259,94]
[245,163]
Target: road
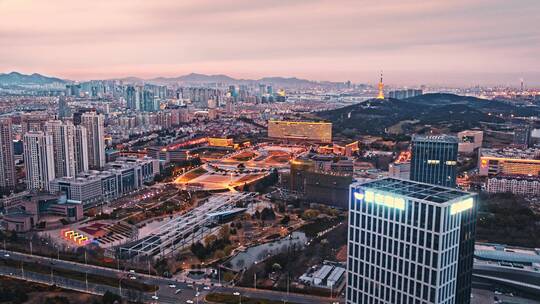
[165,294]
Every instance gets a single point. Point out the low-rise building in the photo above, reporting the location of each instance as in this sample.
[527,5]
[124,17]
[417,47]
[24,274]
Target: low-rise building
[118,178]
[516,184]
[43,210]
[470,140]
[328,275]
[399,170]
[322,179]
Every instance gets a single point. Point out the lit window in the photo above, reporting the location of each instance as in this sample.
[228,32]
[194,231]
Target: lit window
[370,196]
[389,201]
[359,196]
[399,203]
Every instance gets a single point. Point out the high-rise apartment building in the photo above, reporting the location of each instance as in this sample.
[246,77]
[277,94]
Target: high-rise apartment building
[7,160]
[136,98]
[149,102]
[33,121]
[81,149]
[63,137]
[38,160]
[434,159]
[94,124]
[409,242]
[63,108]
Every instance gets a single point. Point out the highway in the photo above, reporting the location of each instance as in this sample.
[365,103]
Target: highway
[189,290]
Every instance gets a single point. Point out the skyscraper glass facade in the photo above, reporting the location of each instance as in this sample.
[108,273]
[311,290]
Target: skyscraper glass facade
[404,242]
[434,160]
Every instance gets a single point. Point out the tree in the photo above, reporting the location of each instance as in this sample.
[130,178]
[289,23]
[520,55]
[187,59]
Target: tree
[219,254]
[268,214]
[209,240]
[111,298]
[57,300]
[310,214]
[224,232]
[13,237]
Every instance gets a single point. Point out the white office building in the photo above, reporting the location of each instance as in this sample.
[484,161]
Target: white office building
[408,242]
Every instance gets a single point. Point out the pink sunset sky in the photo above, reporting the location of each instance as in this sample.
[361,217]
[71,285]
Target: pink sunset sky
[454,42]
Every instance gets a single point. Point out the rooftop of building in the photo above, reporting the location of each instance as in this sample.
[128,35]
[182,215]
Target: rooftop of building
[417,190]
[515,153]
[516,177]
[506,254]
[299,122]
[441,138]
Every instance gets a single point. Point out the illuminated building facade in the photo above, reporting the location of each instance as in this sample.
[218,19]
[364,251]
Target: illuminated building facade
[300,131]
[407,243]
[434,159]
[345,150]
[220,142]
[509,162]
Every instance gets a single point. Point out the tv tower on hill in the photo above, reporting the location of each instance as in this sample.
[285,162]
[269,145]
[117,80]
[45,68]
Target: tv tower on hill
[381,87]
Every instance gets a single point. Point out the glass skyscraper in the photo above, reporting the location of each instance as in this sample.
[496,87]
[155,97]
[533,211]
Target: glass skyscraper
[434,159]
[405,243]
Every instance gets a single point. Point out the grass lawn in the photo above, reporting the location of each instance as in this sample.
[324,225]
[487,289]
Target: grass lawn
[232,299]
[192,174]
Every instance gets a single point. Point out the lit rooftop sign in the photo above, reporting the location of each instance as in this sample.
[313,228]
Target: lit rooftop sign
[461,206]
[384,199]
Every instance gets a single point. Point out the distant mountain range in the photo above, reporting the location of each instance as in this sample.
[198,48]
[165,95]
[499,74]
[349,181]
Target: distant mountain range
[195,78]
[16,78]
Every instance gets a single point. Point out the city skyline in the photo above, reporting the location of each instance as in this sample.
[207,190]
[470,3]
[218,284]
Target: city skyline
[466,42]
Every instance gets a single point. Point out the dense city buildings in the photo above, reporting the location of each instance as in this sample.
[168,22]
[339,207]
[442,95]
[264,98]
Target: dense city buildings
[405,244]
[300,131]
[403,94]
[39,160]
[290,172]
[7,159]
[522,136]
[434,159]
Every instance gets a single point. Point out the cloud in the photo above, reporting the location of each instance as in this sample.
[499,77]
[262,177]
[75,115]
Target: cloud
[346,39]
